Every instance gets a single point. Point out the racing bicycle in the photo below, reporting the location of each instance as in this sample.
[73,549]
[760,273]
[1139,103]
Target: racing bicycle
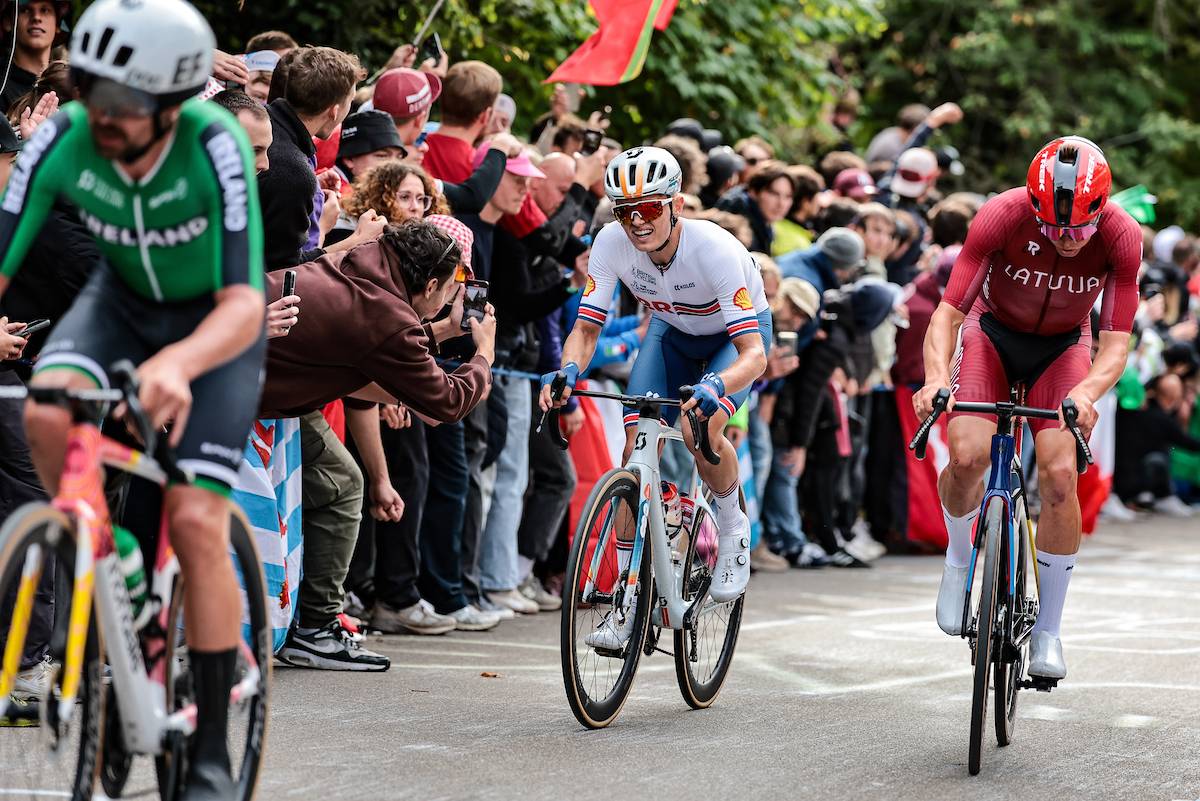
[119,683]
[665,585]
[999,627]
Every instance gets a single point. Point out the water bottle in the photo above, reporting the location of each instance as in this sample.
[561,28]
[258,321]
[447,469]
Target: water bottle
[672,510]
[129,558]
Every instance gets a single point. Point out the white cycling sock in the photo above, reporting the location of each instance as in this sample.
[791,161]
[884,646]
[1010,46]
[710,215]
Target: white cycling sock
[728,507]
[1054,574]
[624,555]
[962,533]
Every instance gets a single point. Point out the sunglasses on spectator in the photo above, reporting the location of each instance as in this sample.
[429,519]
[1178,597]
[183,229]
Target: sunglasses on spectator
[648,210]
[1077,233]
[915,177]
[408,198]
[752,162]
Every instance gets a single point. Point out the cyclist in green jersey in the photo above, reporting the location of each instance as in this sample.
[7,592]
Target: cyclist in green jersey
[166,186]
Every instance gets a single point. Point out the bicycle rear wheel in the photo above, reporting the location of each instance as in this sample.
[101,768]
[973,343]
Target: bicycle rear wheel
[985,621]
[598,682]
[247,714]
[704,652]
[1010,667]
[42,754]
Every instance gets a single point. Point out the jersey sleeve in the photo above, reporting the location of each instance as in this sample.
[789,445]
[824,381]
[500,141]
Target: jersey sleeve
[601,282]
[31,191]
[988,233]
[726,260]
[235,208]
[1120,301]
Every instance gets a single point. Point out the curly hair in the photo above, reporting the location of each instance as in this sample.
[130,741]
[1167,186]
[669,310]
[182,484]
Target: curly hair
[423,252]
[377,187]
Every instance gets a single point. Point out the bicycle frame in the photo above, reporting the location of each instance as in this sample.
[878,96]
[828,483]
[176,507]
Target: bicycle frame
[140,689]
[650,524]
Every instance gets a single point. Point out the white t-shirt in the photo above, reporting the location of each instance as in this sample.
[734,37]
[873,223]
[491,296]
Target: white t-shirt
[713,285]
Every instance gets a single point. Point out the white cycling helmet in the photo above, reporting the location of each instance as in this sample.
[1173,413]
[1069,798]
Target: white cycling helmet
[642,171]
[161,48]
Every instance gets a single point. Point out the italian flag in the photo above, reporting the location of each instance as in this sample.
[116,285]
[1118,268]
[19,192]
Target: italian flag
[617,51]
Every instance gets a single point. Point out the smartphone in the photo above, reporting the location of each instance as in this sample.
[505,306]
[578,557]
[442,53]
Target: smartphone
[289,283]
[785,343]
[421,139]
[474,302]
[592,138]
[431,48]
[33,328]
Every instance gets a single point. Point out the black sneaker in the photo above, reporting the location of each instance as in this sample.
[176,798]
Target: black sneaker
[840,558]
[330,647]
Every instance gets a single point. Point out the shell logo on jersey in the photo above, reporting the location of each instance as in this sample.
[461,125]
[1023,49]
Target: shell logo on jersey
[589,287]
[741,299]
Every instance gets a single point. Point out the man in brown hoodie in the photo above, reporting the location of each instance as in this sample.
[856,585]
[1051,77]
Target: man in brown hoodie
[363,332]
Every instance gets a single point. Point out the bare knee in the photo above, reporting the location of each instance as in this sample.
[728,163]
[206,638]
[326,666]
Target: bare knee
[969,460]
[198,532]
[1057,479]
[44,421]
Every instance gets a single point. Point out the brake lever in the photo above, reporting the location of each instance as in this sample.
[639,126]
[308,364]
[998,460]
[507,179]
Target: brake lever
[1083,453]
[699,429]
[921,439]
[125,377]
[553,414]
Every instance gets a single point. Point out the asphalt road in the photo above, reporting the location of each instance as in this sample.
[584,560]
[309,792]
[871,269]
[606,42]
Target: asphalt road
[842,688]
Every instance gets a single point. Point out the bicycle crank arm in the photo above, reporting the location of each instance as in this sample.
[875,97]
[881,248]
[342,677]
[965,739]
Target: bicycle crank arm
[689,617]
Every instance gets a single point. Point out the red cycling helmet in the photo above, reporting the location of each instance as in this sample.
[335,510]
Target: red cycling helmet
[1069,182]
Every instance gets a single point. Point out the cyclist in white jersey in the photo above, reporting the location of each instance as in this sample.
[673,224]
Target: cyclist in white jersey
[710,329]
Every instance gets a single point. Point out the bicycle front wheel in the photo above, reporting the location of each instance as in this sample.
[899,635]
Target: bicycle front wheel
[598,678]
[47,749]
[248,710]
[985,622]
[1010,665]
[704,651]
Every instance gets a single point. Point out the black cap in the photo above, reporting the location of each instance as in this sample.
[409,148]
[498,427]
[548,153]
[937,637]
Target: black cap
[686,126]
[710,138]
[9,143]
[366,132]
[723,164]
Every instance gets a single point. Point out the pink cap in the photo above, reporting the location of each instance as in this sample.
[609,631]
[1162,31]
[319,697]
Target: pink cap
[521,165]
[457,231]
[406,93]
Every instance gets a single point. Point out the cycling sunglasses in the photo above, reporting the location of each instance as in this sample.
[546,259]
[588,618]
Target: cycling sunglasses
[649,210]
[1079,233]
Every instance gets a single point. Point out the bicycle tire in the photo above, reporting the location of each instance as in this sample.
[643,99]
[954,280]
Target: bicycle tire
[698,692]
[619,484]
[171,765]
[1011,666]
[27,526]
[993,521]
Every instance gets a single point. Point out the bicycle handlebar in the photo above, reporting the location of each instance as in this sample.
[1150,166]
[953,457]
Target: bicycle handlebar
[559,385]
[1070,415]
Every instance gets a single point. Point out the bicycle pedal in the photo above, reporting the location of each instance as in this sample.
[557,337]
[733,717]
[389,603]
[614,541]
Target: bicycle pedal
[1042,684]
[611,654]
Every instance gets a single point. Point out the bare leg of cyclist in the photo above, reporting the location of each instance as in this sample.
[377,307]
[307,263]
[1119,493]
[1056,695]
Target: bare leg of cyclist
[1058,541]
[733,552]
[961,489]
[199,525]
[47,426]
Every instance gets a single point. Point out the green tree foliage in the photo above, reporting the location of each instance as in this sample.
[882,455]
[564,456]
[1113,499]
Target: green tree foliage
[747,66]
[1121,72]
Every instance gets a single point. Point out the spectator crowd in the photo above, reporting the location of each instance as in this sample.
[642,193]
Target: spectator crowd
[429,503]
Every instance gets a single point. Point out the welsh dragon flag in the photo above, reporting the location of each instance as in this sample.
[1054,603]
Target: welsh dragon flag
[617,51]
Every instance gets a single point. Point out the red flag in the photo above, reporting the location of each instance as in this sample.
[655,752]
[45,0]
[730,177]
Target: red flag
[617,51]
[925,522]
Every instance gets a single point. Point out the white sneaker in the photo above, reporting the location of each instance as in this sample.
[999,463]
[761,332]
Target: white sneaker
[951,595]
[471,618]
[864,547]
[420,618]
[1171,506]
[732,572]
[504,612]
[532,589]
[31,684]
[1116,511]
[514,601]
[1046,656]
[611,635]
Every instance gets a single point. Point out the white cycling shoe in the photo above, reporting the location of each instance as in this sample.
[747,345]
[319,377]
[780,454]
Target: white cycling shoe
[1046,656]
[951,595]
[612,635]
[732,572]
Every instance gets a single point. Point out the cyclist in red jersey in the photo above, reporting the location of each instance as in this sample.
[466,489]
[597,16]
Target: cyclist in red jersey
[1017,310]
